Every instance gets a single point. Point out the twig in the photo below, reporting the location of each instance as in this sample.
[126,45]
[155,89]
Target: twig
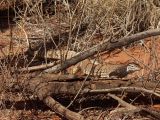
[151,112]
[123,103]
[36,68]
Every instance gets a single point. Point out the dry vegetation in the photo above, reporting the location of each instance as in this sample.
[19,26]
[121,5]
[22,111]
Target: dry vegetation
[30,28]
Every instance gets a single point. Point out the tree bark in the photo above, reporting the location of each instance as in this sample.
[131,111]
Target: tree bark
[46,86]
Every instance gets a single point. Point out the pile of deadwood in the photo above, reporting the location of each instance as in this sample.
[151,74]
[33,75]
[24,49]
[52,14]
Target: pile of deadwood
[45,85]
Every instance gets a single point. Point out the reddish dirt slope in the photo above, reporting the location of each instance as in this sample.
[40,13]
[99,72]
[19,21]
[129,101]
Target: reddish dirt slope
[147,56]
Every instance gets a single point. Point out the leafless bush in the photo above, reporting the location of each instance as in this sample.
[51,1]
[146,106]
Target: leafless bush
[122,18]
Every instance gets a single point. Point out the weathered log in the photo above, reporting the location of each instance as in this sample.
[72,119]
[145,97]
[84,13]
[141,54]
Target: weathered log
[46,85]
[43,86]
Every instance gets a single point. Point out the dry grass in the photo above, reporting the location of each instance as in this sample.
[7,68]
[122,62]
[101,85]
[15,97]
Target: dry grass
[122,17]
[116,18]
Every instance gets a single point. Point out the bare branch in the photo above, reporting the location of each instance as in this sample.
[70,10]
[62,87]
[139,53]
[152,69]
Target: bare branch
[123,103]
[128,89]
[128,107]
[104,46]
[36,68]
[58,108]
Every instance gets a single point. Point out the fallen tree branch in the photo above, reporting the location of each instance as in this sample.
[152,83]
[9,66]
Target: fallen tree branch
[131,108]
[126,89]
[36,68]
[122,102]
[153,113]
[43,88]
[104,46]
[60,78]
[128,107]
[46,86]
[58,108]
